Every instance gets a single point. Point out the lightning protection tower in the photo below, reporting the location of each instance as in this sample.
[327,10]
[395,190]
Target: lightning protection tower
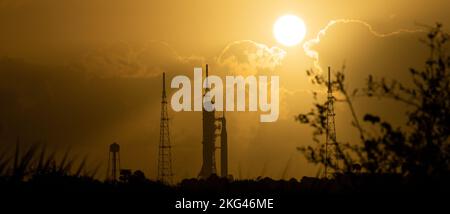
[330,142]
[164,154]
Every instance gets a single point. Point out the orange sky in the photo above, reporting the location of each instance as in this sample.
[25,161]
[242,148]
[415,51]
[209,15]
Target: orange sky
[87,73]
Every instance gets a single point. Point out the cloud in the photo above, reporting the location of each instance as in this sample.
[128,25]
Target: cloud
[248,57]
[125,60]
[244,57]
[308,45]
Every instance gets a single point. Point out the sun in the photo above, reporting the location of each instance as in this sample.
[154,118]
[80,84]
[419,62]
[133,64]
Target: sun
[289,30]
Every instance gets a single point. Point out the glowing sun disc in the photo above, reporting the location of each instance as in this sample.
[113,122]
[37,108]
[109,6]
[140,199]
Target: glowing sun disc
[289,30]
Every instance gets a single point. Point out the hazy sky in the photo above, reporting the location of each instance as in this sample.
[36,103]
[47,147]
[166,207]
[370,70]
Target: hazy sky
[86,73]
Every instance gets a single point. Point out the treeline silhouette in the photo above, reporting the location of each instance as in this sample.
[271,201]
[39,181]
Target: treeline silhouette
[41,180]
[38,170]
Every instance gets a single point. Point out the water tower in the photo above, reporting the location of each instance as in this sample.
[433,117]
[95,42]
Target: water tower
[113,162]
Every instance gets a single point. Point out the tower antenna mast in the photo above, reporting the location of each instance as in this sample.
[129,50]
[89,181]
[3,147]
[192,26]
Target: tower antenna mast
[330,142]
[165,174]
